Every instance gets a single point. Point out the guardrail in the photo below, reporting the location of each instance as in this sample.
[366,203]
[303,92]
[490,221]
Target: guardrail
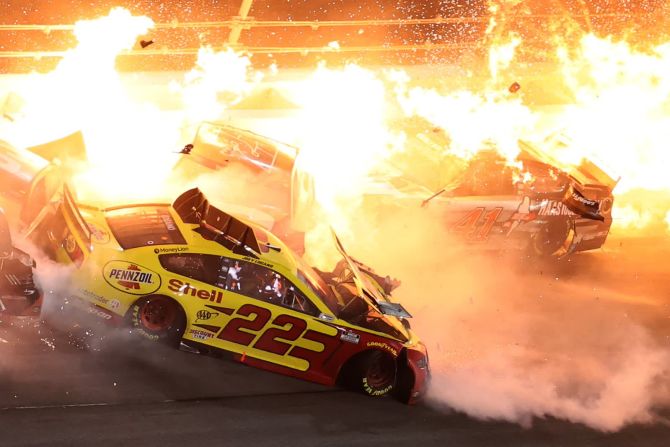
[238,23]
[315,24]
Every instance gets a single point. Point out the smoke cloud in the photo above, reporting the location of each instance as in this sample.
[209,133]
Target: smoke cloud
[510,338]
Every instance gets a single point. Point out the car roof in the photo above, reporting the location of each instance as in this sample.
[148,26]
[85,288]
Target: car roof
[208,228]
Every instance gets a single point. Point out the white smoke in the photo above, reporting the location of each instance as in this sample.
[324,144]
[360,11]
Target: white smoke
[511,339]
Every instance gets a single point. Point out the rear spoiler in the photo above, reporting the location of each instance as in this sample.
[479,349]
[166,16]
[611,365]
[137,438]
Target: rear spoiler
[216,225]
[576,202]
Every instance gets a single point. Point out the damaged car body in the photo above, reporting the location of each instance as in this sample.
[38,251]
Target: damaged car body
[19,296]
[564,209]
[191,275]
[552,212]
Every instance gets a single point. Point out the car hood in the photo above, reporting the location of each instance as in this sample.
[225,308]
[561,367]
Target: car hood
[392,312]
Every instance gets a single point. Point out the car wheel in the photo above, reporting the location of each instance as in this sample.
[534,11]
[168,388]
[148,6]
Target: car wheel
[158,318]
[376,374]
[555,239]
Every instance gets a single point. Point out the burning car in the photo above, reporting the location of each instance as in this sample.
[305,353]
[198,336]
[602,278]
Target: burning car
[557,210]
[546,209]
[18,293]
[191,275]
[219,145]
[233,154]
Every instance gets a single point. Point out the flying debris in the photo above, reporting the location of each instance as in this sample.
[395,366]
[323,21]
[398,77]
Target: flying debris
[187,150]
[515,87]
[146,43]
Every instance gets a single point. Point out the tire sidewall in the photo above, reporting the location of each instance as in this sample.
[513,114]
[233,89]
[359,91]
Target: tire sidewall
[365,363]
[170,336]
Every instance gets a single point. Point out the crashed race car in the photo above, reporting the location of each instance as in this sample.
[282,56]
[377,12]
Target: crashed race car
[240,156]
[563,210]
[19,296]
[191,275]
[553,212]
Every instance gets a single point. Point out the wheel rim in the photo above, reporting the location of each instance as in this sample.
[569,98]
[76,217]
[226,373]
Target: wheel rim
[158,314]
[548,243]
[381,373]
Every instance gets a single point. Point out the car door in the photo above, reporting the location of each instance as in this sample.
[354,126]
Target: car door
[484,208]
[250,309]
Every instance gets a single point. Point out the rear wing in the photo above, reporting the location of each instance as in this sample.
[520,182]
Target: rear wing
[216,225]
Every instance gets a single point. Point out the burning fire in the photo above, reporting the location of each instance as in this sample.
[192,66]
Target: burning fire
[355,123]
[130,143]
[347,127]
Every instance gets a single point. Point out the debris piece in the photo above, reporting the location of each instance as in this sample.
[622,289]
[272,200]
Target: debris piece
[187,149]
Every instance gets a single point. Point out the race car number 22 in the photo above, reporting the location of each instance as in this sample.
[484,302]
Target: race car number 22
[275,339]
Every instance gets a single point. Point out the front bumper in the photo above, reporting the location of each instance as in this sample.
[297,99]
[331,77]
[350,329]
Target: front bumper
[417,361]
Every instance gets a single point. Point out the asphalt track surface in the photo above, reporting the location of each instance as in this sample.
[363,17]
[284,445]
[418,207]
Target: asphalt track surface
[53,392]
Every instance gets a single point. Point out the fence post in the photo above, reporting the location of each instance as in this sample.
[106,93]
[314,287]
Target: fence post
[236,30]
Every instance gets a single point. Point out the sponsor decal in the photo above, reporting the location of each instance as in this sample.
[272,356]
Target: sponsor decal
[350,337]
[169,223]
[99,313]
[98,234]
[70,243]
[87,294]
[371,391]
[200,335]
[258,261]
[131,278]
[522,215]
[384,346]
[185,288]
[170,250]
[581,199]
[72,249]
[204,315]
[553,208]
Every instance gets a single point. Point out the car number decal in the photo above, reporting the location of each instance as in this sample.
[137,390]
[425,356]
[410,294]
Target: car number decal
[277,336]
[469,225]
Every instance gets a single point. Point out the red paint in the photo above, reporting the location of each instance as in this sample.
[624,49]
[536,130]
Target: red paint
[268,341]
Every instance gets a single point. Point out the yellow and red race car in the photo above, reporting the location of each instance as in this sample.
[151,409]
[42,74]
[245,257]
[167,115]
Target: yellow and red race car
[190,274]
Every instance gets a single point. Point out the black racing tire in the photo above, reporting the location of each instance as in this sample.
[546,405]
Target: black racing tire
[157,318]
[374,374]
[554,240]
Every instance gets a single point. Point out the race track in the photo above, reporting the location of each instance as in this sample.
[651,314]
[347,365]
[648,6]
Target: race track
[54,393]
